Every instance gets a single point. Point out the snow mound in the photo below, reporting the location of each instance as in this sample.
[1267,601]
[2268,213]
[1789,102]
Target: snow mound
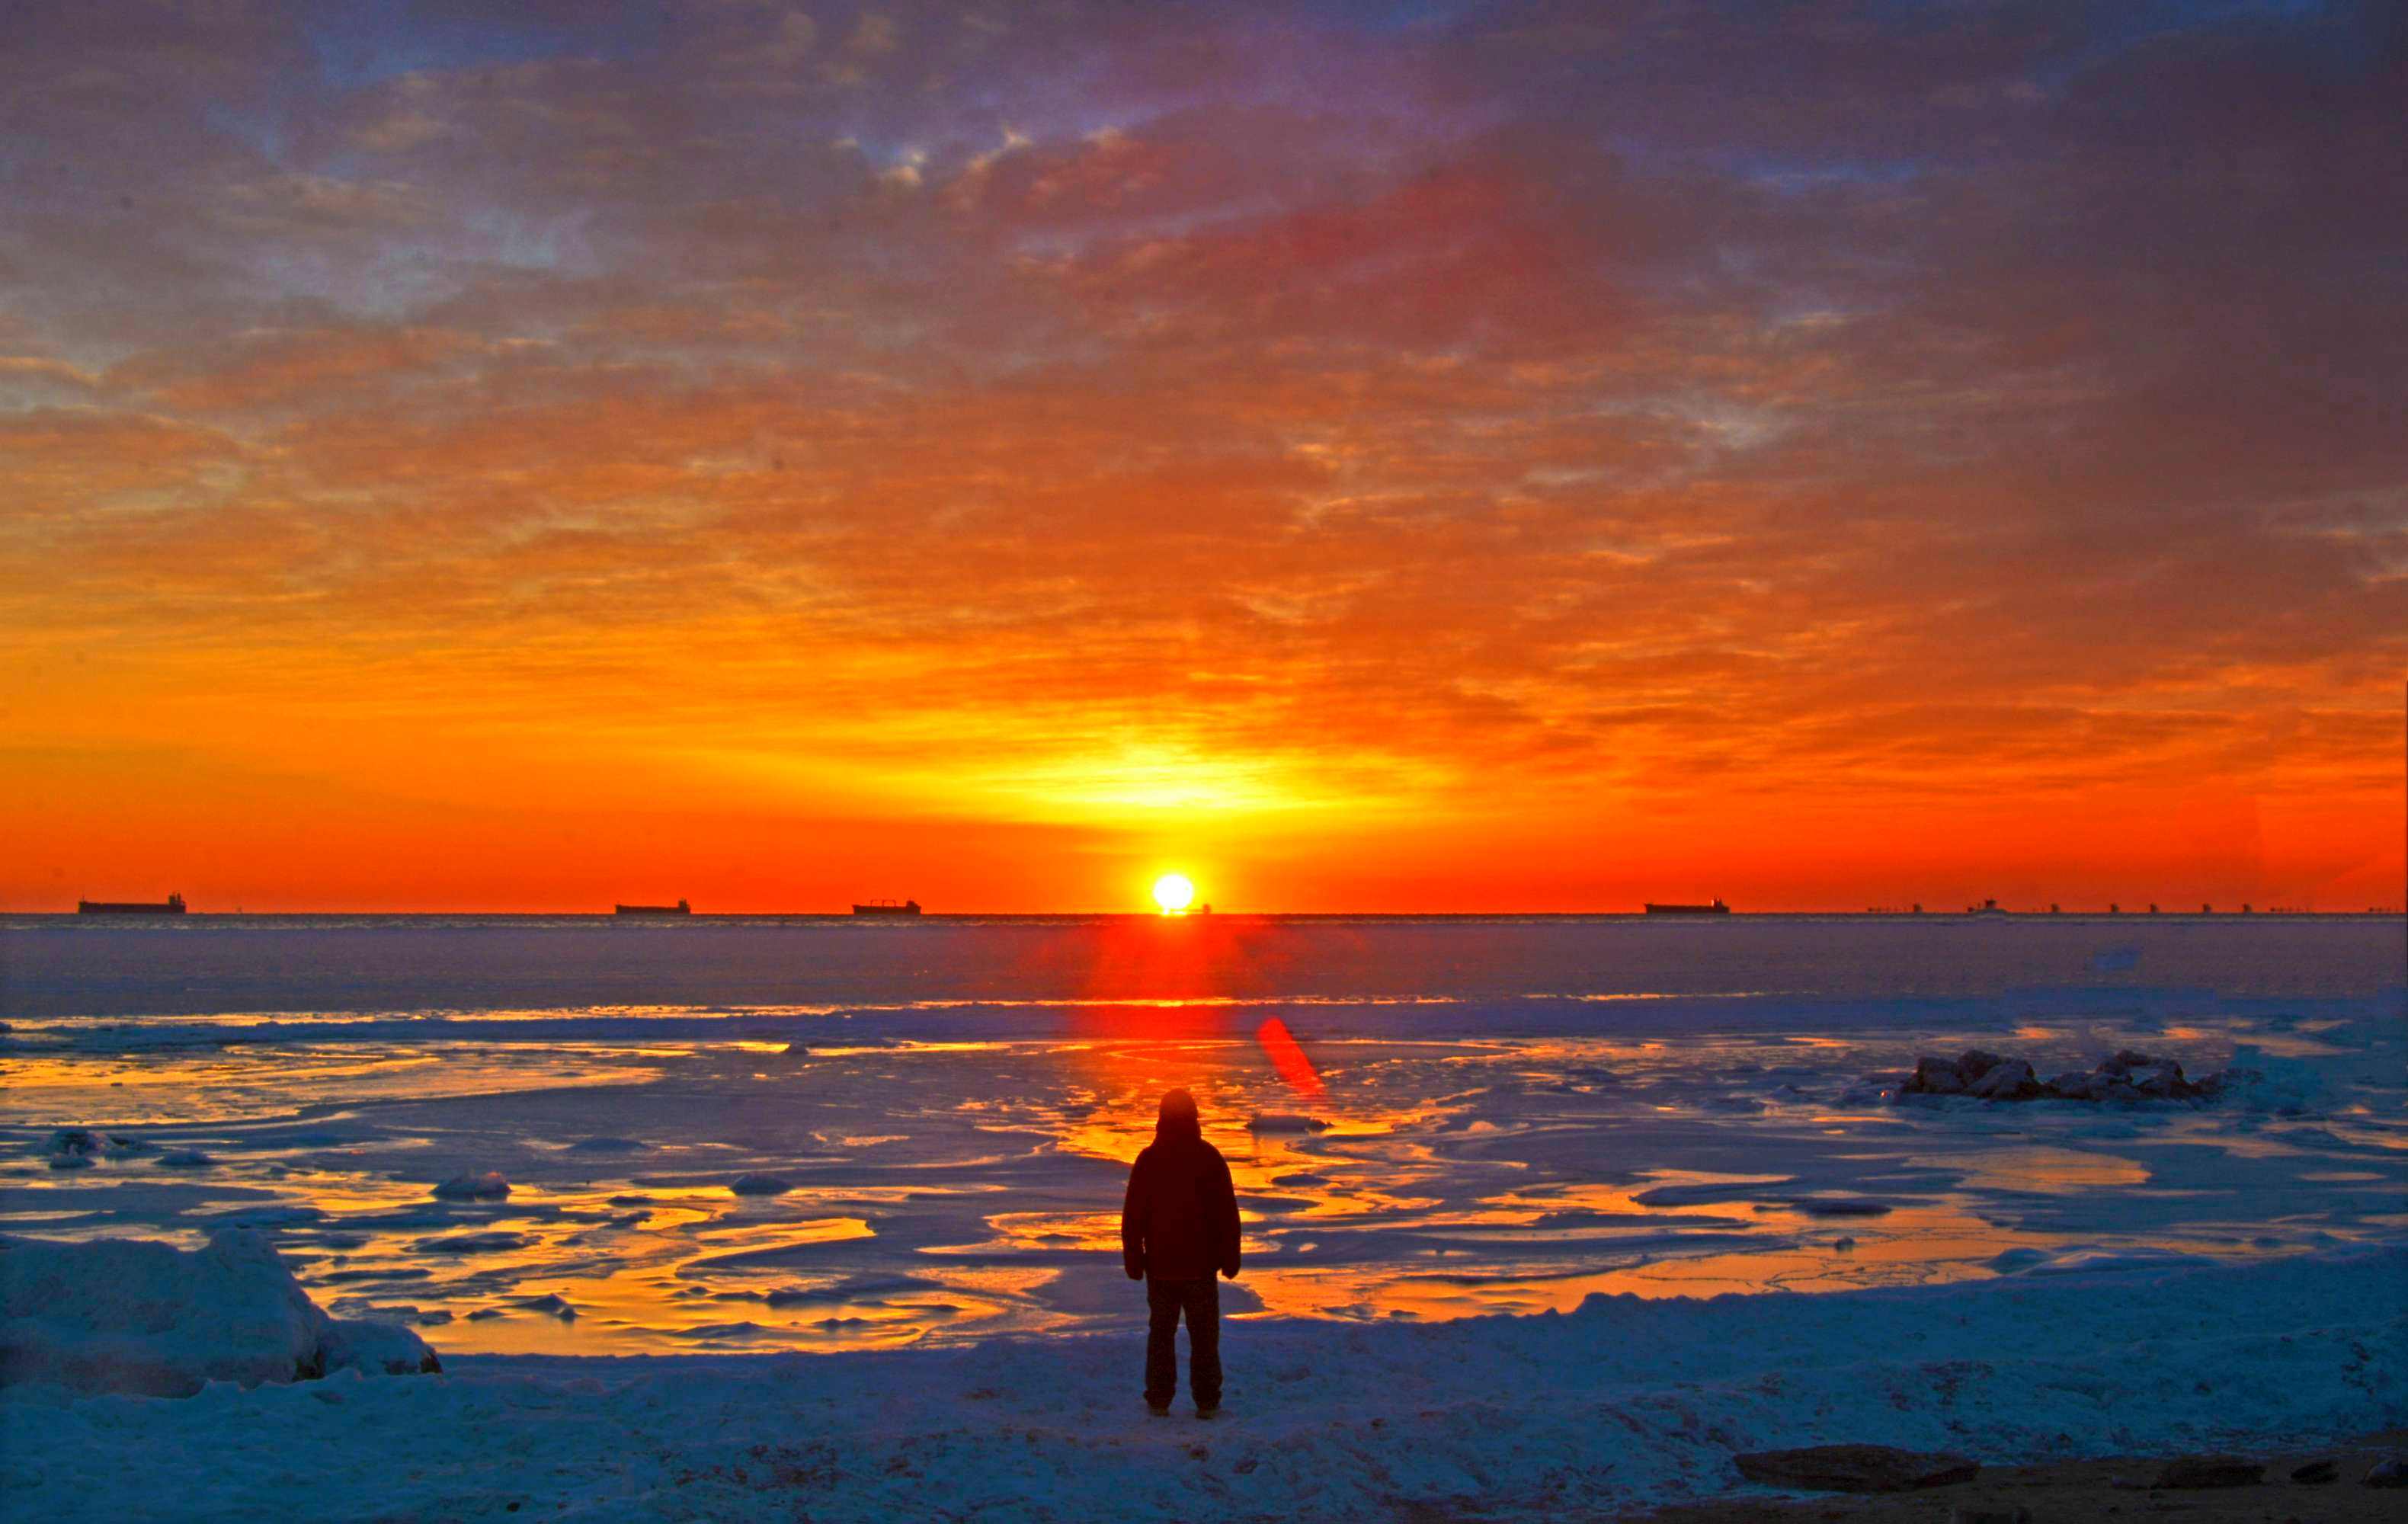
[487,1186]
[70,1146]
[141,1317]
[1285,1122]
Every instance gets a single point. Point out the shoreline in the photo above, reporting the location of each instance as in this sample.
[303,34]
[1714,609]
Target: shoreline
[1620,1408]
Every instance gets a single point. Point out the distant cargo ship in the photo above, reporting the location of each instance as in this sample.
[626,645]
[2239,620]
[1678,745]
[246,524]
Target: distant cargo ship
[172,905]
[680,908]
[1988,907]
[888,907]
[1714,908]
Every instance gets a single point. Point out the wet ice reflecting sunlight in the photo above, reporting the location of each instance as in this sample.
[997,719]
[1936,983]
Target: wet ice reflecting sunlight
[799,1186]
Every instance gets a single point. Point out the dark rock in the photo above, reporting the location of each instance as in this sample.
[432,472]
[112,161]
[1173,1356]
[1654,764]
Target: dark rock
[2193,1470]
[2392,1473]
[1975,1062]
[2163,1082]
[1933,1078]
[1854,1468]
[2317,1473]
[760,1185]
[2128,1078]
[1966,1514]
[2009,1079]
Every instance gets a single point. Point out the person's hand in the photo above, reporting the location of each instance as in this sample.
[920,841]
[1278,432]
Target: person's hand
[1136,1269]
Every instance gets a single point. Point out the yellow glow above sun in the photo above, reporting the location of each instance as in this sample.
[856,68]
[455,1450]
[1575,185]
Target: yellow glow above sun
[1173,892]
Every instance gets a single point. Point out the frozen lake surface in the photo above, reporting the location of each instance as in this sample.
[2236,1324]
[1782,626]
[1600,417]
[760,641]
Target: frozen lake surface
[808,1219]
[1511,1113]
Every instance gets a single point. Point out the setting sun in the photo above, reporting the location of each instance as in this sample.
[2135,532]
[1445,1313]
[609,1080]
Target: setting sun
[1173,892]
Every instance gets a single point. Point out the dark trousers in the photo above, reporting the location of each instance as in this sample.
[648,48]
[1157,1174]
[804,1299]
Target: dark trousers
[1201,1302]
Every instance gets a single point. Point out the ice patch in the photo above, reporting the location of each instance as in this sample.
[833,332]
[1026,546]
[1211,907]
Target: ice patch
[1818,1206]
[2088,1260]
[496,1242]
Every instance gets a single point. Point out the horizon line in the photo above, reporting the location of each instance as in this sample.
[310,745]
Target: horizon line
[2245,910]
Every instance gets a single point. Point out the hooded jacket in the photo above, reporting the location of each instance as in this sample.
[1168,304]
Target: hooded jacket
[1179,1221]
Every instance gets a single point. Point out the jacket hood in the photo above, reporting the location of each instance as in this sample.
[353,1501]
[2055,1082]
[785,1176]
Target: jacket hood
[1178,1120]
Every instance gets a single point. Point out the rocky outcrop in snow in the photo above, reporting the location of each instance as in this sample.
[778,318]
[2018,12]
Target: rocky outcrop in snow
[2128,1076]
[141,1317]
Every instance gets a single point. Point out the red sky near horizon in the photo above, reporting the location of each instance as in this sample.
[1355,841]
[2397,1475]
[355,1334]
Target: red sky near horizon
[1367,457]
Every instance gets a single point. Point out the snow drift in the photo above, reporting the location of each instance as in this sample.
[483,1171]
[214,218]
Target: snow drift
[145,1317]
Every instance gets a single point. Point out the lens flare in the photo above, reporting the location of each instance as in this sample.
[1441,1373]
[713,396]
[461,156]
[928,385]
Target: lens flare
[1174,893]
[1288,1056]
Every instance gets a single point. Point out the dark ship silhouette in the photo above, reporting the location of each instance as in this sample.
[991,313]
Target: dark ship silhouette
[172,905]
[680,908]
[1712,908]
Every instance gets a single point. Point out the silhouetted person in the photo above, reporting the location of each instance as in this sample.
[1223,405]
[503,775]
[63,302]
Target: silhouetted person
[1179,1224]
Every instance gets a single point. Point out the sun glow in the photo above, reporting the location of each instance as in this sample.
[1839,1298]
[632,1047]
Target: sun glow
[1173,892]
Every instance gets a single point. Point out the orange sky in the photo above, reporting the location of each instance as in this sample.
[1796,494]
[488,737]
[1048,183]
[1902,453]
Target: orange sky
[1367,457]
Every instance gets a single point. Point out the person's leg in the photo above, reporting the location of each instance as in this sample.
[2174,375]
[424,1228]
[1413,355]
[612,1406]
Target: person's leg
[1161,1342]
[1203,1303]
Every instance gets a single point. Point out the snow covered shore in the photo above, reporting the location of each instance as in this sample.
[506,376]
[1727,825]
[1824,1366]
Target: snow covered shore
[1624,1401]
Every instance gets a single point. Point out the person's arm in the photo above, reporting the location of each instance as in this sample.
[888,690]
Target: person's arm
[1133,1214]
[1224,1216]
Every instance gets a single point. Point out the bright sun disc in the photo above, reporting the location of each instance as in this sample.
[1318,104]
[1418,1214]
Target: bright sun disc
[1173,892]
